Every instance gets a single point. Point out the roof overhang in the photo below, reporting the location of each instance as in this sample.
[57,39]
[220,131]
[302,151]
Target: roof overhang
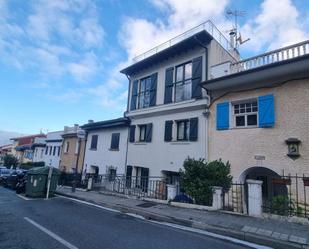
[114,123]
[197,39]
[296,68]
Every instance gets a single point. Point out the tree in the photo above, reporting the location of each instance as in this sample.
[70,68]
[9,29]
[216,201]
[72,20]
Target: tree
[10,160]
[199,177]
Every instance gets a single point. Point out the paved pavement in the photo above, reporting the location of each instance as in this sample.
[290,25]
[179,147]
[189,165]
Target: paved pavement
[63,223]
[268,231]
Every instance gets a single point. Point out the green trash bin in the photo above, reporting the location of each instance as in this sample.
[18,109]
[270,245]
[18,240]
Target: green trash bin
[37,181]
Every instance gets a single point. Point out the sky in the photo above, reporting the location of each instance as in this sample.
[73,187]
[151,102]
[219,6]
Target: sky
[60,59]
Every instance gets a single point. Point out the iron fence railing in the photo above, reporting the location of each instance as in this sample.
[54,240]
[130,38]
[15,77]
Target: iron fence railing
[289,197]
[282,54]
[234,198]
[207,26]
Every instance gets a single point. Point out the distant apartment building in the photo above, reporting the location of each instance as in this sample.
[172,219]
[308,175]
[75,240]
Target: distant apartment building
[106,147]
[73,150]
[51,155]
[23,147]
[167,105]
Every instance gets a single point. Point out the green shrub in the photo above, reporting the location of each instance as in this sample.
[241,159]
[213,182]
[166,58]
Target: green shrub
[198,179]
[10,160]
[282,205]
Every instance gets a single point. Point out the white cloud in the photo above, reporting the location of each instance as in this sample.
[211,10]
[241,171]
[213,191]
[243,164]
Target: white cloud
[277,25]
[140,35]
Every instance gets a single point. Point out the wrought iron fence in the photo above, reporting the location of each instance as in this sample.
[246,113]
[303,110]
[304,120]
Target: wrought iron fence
[150,187]
[234,198]
[67,179]
[289,196]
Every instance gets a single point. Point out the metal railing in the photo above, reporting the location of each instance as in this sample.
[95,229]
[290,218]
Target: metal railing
[282,54]
[207,26]
[234,198]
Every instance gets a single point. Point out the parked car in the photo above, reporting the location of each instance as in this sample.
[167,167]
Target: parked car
[4,173]
[11,180]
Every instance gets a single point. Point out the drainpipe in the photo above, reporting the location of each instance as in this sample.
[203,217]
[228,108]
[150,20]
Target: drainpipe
[127,145]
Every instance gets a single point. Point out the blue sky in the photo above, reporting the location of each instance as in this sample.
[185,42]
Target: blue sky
[60,59]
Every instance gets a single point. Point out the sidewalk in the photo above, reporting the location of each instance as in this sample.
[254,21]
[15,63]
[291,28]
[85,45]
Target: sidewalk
[271,232]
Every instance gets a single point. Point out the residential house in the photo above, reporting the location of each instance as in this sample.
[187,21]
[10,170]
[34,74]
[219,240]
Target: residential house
[73,150]
[5,150]
[51,156]
[22,147]
[106,147]
[39,149]
[167,106]
[259,117]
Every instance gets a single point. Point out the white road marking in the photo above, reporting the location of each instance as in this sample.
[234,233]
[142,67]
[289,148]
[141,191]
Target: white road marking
[214,235]
[51,234]
[90,204]
[210,234]
[24,197]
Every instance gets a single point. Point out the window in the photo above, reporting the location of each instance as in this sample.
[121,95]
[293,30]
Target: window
[50,150]
[54,152]
[59,148]
[66,147]
[142,133]
[144,93]
[245,114]
[112,174]
[94,142]
[183,130]
[115,141]
[77,146]
[46,150]
[183,82]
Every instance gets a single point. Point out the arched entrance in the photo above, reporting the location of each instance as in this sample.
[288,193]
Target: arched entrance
[269,187]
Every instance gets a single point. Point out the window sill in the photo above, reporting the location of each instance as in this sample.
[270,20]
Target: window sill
[140,143]
[179,142]
[93,149]
[246,127]
[110,149]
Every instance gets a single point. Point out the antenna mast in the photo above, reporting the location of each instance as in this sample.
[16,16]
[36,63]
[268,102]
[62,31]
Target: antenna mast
[234,34]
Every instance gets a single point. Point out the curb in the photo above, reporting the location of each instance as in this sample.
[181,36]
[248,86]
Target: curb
[254,238]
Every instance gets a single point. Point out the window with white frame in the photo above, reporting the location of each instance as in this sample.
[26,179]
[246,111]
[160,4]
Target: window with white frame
[245,114]
[144,92]
[183,82]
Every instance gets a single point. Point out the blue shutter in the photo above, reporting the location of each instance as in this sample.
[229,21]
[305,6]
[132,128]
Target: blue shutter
[266,107]
[134,95]
[223,116]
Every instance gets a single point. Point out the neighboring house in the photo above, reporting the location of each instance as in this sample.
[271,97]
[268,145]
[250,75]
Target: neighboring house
[259,116]
[51,156]
[106,147]
[167,106]
[39,149]
[73,150]
[5,150]
[22,147]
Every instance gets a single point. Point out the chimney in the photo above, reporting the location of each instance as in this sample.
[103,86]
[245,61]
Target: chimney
[232,39]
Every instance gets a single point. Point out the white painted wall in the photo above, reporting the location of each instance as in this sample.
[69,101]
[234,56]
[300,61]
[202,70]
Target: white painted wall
[38,154]
[103,157]
[50,158]
[159,155]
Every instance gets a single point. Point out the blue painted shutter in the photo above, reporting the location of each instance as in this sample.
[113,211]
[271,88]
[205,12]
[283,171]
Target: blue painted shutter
[132,134]
[153,89]
[193,129]
[168,131]
[266,107]
[223,116]
[197,64]
[168,93]
[148,132]
[134,95]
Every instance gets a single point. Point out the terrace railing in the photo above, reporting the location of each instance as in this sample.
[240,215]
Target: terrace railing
[282,54]
[207,26]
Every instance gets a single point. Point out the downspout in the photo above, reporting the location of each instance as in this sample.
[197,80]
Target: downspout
[128,130]
[206,113]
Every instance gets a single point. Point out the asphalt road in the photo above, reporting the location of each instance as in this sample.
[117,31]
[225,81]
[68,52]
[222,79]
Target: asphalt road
[62,223]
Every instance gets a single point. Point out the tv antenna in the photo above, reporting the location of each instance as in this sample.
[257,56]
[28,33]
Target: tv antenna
[234,34]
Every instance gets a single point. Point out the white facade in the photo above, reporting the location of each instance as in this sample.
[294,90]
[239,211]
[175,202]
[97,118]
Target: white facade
[165,158]
[39,149]
[103,159]
[51,155]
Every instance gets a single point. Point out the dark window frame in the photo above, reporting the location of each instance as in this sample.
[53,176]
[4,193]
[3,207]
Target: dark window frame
[94,145]
[144,93]
[117,134]
[186,134]
[184,81]
[144,126]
